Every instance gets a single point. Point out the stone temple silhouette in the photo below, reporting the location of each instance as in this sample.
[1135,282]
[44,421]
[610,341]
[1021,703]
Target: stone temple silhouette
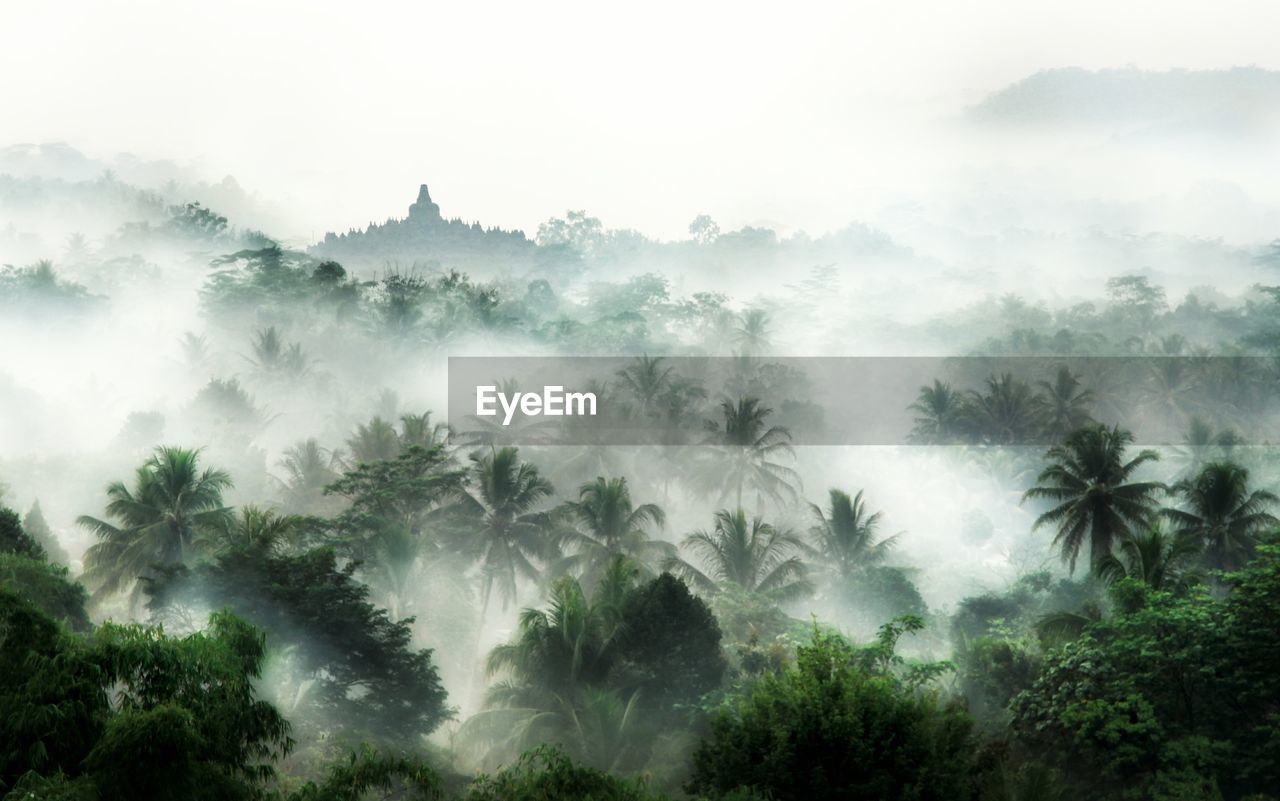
[424,210]
[427,239]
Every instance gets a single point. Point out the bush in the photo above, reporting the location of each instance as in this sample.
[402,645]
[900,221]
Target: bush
[839,724]
[546,774]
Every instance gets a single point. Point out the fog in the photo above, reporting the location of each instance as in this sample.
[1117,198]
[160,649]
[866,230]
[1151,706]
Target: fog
[804,120]
[936,180]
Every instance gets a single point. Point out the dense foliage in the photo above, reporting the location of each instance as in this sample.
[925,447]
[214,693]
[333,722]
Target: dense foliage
[363,602]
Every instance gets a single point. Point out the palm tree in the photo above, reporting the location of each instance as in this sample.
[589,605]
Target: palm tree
[559,649]
[1169,393]
[647,380]
[417,429]
[1222,514]
[752,336]
[844,539]
[1201,444]
[1089,479]
[1008,413]
[308,469]
[608,524]
[555,675]
[274,358]
[374,442]
[751,555]
[509,534]
[171,504]
[745,456]
[254,530]
[1066,404]
[195,349]
[1160,560]
[941,412]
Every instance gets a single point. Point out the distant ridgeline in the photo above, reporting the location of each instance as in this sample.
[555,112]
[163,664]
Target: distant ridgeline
[426,239]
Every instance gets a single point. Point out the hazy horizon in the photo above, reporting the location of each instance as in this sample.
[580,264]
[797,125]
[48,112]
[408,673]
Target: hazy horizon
[803,120]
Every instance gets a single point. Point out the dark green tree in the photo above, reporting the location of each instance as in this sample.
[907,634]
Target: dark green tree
[1222,514]
[1089,481]
[14,539]
[340,658]
[171,504]
[840,724]
[131,713]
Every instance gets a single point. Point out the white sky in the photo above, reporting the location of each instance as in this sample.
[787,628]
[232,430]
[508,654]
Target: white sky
[514,112]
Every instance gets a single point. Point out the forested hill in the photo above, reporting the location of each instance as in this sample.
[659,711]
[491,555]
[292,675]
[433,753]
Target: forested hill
[424,237]
[1240,99]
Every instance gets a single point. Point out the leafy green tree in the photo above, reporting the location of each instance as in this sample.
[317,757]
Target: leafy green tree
[1134,707]
[401,491]
[839,724]
[990,671]
[181,721]
[751,555]
[36,526]
[579,233]
[341,663]
[388,523]
[547,773]
[14,539]
[1219,511]
[703,229]
[196,221]
[24,290]
[406,777]
[226,402]
[1089,479]
[1250,711]
[1014,612]
[161,518]
[1134,300]
[669,644]
[1170,694]
[48,586]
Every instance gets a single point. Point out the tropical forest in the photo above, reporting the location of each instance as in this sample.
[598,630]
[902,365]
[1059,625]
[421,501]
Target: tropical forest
[971,496]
